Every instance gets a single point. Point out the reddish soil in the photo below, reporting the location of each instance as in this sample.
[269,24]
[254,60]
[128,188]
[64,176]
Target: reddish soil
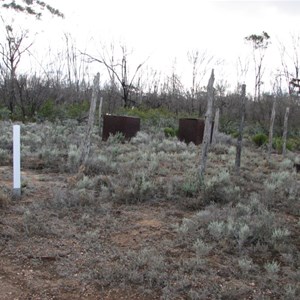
[46,267]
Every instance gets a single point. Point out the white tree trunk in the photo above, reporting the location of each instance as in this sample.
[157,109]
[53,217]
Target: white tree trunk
[86,143]
[271,128]
[207,128]
[216,126]
[285,127]
[241,128]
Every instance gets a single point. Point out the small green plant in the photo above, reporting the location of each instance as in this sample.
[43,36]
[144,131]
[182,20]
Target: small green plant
[170,132]
[260,139]
[278,144]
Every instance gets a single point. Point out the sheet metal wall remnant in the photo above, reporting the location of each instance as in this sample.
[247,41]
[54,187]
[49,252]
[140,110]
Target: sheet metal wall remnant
[297,167]
[192,130]
[128,126]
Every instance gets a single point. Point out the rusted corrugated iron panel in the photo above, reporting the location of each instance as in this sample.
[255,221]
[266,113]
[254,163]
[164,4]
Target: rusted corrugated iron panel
[128,126]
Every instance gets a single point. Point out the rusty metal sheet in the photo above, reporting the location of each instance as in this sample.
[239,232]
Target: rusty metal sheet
[128,126]
[192,130]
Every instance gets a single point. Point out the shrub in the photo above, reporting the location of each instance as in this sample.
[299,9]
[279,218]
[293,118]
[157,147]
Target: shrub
[260,139]
[4,113]
[278,144]
[170,132]
[77,110]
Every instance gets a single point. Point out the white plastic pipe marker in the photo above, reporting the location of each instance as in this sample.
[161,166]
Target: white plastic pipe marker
[16,161]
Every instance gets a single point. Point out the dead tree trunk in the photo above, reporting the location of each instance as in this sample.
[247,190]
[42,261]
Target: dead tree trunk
[207,128]
[241,128]
[286,117]
[271,129]
[86,143]
[216,126]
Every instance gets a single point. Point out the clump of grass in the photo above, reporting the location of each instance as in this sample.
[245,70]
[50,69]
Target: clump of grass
[260,139]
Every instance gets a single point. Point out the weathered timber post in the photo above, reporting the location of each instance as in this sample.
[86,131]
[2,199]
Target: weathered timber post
[285,127]
[271,128]
[241,128]
[100,112]
[216,126]
[208,122]
[86,143]
[16,161]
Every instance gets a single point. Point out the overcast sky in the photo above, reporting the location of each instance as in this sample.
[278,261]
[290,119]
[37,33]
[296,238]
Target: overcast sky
[165,30]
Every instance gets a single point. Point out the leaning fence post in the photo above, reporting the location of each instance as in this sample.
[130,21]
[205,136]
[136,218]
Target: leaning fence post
[16,161]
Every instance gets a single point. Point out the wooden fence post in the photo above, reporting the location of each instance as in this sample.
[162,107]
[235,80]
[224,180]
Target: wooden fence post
[285,127]
[241,128]
[207,128]
[271,129]
[216,126]
[100,112]
[86,143]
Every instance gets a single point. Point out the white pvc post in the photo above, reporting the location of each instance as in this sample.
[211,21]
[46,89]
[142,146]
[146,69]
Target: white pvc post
[16,161]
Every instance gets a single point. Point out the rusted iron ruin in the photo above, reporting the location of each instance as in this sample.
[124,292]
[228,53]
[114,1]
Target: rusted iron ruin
[294,87]
[192,130]
[128,126]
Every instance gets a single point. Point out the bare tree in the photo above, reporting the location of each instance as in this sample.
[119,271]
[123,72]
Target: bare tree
[200,63]
[290,62]
[11,52]
[119,70]
[75,64]
[259,45]
[242,68]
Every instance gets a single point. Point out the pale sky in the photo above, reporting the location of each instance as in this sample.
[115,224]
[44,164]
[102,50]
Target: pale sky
[165,30]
